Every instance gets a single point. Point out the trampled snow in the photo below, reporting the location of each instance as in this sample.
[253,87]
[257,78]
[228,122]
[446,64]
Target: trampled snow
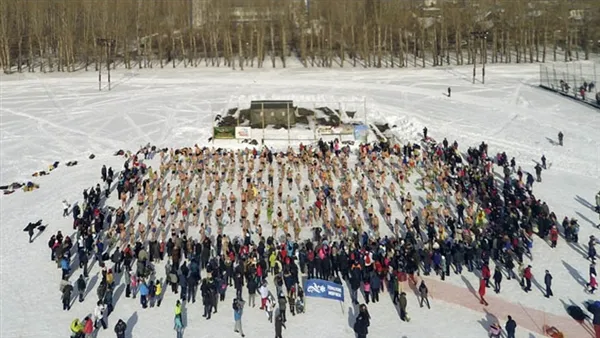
[57,117]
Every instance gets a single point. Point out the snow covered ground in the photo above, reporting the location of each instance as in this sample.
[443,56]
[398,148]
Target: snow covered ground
[47,118]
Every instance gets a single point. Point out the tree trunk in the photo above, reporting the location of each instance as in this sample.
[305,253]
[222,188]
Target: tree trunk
[354,49]
[272,35]
[283,43]
[545,43]
[240,47]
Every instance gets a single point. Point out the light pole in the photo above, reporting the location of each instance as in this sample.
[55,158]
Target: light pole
[481,36]
[108,43]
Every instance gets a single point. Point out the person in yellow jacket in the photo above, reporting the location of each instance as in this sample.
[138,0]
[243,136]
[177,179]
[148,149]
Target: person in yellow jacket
[178,308]
[480,218]
[76,328]
[158,294]
[272,259]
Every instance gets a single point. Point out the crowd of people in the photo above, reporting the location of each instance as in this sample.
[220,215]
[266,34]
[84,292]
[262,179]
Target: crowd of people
[199,213]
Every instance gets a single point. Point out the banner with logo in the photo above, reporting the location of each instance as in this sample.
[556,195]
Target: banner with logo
[243,133]
[343,129]
[324,289]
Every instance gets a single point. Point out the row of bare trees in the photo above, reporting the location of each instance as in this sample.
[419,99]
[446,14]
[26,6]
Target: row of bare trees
[57,35]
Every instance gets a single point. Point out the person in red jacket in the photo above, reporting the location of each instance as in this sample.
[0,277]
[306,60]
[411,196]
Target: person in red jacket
[527,275]
[486,274]
[553,236]
[482,287]
[88,327]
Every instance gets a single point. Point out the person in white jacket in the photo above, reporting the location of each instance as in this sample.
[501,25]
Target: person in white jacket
[66,207]
[99,315]
[264,294]
[269,309]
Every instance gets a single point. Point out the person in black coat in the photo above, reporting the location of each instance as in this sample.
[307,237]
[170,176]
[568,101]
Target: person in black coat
[207,298]
[67,290]
[548,282]
[363,320]
[497,279]
[120,329]
[81,286]
[511,327]
[278,325]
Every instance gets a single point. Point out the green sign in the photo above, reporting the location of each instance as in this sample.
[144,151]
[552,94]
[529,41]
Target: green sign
[224,132]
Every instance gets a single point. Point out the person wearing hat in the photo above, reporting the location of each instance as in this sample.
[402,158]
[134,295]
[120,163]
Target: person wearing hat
[548,282]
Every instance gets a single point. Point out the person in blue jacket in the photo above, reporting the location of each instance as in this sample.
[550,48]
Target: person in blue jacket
[144,291]
[64,265]
[238,308]
[375,286]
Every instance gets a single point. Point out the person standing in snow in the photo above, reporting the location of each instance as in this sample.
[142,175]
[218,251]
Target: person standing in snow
[279,323]
[425,133]
[375,286]
[553,236]
[482,288]
[527,275]
[423,292]
[367,290]
[67,290]
[511,327]
[538,172]
[449,91]
[486,274]
[99,311]
[593,284]
[178,326]
[66,207]
[103,173]
[282,304]
[120,329]
[207,298]
[238,308]
[363,320]
[548,282]
[560,138]
[592,249]
[403,303]
[81,286]
[264,293]
[88,327]
[543,161]
[497,279]
[144,291]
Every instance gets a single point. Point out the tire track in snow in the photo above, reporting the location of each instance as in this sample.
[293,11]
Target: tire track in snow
[42,121]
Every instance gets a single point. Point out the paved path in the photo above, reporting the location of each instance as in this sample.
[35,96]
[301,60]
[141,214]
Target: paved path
[498,310]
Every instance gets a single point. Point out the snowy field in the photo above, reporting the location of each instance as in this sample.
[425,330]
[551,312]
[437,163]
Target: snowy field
[48,118]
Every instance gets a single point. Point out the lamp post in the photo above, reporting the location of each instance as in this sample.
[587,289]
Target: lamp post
[108,43]
[480,36]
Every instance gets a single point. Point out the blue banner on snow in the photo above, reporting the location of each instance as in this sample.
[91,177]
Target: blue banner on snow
[324,289]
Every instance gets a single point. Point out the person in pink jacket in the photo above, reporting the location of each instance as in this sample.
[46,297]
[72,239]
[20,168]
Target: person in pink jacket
[367,290]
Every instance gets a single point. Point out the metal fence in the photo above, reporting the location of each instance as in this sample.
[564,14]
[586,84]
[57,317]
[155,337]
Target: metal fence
[576,79]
